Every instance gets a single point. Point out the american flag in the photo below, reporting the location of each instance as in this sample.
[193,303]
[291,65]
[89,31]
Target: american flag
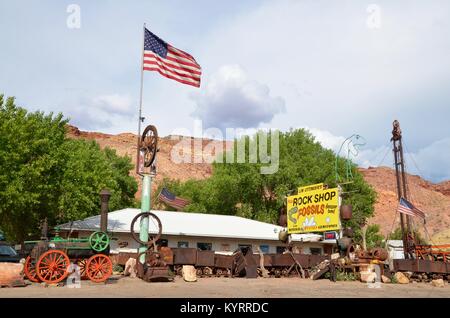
[169,61]
[172,200]
[407,207]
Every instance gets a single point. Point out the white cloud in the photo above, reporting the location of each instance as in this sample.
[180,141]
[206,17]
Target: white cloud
[430,162]
[232,100]
[115,103]
[337,74]
[100,112]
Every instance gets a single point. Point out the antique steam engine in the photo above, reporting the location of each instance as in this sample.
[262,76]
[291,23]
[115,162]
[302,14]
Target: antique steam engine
[50,259]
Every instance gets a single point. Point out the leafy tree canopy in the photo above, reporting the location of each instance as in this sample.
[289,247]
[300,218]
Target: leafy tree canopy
[43,174]
[240,189]
[397,235]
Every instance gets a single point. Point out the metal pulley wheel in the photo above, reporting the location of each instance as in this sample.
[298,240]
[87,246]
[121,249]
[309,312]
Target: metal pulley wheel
[153,219]
[99,241]
[149,144]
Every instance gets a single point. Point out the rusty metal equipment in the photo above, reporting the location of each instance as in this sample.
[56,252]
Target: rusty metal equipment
[346,212]
[434,252]
[155,266]
[50,259]
[418,258]
[405,220]
[147,150]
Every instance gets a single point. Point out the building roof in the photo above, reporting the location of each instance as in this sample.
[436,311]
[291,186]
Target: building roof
[191,224]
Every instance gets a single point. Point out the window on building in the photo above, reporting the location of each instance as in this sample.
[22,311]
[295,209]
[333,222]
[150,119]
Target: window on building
[244,248]
[162,243]
[183,244]
[264,249]
[315,250]
[280,249]
[204,246]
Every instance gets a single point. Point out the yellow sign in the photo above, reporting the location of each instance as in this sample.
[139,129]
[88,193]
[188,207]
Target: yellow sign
[317,186]
[313,211]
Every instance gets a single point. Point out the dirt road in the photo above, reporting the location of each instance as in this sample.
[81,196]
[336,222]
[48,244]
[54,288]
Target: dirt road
[229,288]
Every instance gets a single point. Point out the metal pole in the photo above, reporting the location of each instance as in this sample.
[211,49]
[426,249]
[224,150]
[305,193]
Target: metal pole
[140,104]
[145,207]
[399,193]
[405,194]
[146,180]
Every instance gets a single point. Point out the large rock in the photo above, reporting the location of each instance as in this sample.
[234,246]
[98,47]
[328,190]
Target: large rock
[401,278]
[335,256]
[130,268]
[385,279]
[438,282]
[11,274]
[189,273]
[368,276]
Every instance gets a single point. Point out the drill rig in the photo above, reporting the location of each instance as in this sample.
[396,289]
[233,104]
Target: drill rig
[429,259]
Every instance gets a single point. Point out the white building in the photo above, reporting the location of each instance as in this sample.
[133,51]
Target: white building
[221,233]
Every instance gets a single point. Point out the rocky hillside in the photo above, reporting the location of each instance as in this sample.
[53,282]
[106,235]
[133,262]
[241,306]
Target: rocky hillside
[125,144]
[434,199]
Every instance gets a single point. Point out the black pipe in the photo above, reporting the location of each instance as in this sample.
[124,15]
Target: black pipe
[104,197]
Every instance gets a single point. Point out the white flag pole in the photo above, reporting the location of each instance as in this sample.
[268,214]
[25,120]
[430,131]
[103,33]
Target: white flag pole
[140,119]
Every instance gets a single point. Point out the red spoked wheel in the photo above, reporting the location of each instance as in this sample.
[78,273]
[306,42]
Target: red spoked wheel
[52,267]
[30,270]
[82,265]
[99,268]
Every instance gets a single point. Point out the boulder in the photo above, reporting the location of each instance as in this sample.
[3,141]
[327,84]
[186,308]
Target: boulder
[438,282]
[11,274]
[189,273]
[385,279]
[335,256]
[130,268]
[401,278]
[368,277]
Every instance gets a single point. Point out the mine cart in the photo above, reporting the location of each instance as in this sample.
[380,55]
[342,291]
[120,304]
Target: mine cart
[51,260]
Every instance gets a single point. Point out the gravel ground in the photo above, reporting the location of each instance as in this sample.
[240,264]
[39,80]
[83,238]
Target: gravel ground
[228,288]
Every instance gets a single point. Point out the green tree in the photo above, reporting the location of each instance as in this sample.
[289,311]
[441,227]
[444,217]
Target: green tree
[45,175]
[240,188]
[87,170]
[29,169]
[397,235]
[374,238]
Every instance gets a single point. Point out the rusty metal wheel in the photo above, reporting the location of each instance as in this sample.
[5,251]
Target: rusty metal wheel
[82,265]
[149,144]
[30,270]
[207,271]
[52,267]
[153,219]
[99,268]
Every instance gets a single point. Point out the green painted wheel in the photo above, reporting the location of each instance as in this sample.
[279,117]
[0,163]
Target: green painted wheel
[99,241]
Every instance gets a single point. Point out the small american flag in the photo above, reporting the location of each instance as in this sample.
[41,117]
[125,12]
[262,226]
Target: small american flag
[408,208]
[169,61]
[172,200]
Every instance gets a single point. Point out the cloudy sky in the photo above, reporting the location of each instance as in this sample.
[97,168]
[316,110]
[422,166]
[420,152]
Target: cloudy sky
[338,68]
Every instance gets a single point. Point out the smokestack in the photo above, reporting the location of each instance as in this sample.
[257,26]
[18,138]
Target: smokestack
[104,196]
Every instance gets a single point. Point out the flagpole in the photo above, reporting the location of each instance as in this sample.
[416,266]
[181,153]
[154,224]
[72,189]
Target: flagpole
[140,119]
